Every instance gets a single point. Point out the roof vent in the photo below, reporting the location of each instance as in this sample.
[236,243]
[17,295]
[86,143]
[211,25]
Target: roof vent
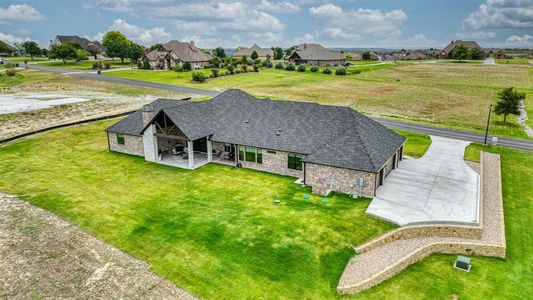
[279,130]
[278,133]
[247,121]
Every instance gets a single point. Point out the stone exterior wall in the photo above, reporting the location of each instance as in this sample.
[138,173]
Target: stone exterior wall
[324,179]
[132,144]
[273,163]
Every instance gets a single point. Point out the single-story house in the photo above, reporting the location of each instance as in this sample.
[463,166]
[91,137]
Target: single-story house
[329,148]
[373,56]
[496,53]
[262,53]
[6,49]
[446,53]
[414,56]
[315,55]
[175,53]
[85,43]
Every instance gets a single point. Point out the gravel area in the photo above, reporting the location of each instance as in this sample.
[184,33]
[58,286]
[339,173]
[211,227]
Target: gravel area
[43,256]
[369,265]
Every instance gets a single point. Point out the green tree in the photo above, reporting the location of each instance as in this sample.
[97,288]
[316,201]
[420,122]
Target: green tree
[74,44]
[508,102]
[135,52]
[288,51]
[244,60]
[81,55]
[219,52]
[94,50]
[366,55]
[64,52]
[278,52]
[477,53]
[187,66]
[155,47]
[31,48]
[461,52]
[117,44]
[146,65]
[254,55]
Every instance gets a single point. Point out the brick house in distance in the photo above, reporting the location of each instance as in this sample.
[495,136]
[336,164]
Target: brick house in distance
[262,53]
[175,53]
[329,148]
[85,43]
[315,55]
[446,53]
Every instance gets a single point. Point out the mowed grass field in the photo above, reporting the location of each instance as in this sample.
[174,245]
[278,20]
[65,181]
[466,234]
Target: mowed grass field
[216,231]
[447,95]
[85,65]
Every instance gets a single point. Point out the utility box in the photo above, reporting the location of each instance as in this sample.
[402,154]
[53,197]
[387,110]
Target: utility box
[462,263]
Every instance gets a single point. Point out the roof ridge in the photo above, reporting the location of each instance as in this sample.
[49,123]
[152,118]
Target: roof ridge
[363,142]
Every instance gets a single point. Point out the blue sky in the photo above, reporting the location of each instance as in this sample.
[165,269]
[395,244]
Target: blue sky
[347,23]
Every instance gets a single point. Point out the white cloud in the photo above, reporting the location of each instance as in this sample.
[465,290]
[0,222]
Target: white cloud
[501,14]
[357,22]
[281,6]
[516,39]
[20,13]
[136,33]
[476,35]
[11,39]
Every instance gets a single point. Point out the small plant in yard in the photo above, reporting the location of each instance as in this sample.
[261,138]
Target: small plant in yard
[97,65]
[214,72]
[198,76]
[244,68]
[290,67]
[187,66]
[301,68]
[256,68]
[340,71]
[146,65]
[326,71]
[107,65]
[279,66]
[11,72]
[231,69]
[237,71]
[314,69]
[178,69]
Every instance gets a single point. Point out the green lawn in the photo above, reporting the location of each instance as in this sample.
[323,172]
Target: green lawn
[85,65]
[447,95]
[216,232]
[513,61]
[417,143]
[23,58]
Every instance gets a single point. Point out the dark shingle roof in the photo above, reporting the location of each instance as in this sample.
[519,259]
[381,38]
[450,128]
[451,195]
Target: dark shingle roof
[453,44]
[82,41]
[329,135]
[261,52]
[316,52]
[186,52]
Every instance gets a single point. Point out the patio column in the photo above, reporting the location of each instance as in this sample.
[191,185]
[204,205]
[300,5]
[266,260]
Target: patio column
[209,151]
[190,153]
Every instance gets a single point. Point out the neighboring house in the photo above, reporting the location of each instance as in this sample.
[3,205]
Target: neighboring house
[496,53]
[61,39]
[315,55]
[330,148]
[446,53]
[414,56]
[373,56]
[262,53]
[6,49]
[391,57]
[175,53]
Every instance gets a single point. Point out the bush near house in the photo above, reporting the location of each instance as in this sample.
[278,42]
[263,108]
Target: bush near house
[340,71]
[326,71]
[290,67]
[198,76]
[11,72]
[107,65]
[244,68]
[214,72]
[301,68]
[231,69]
[314,69]
[279,66]
[256,68]
[97,65]
[187,66]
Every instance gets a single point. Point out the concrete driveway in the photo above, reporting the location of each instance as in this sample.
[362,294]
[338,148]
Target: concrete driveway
[439,187]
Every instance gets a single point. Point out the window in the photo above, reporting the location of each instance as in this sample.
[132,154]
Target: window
[295,161]
[227,147]
[120,139]
[271,151]
[241,152]
[250,154]
[259,155]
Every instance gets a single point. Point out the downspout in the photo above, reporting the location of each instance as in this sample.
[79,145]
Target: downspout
[108,144]
[305,171]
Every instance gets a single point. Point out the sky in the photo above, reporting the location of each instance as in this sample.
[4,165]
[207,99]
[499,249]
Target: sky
[229,24]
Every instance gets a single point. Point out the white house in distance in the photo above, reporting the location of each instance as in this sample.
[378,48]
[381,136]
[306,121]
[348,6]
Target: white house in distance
[175,53]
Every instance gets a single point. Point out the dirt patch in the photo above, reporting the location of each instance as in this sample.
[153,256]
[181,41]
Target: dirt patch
[43,256]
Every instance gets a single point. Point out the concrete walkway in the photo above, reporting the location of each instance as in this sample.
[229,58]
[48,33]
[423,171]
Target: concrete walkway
[523,118]
[489,61]
[439,187]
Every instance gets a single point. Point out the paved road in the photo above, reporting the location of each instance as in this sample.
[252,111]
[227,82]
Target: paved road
[443,132]
[181,89]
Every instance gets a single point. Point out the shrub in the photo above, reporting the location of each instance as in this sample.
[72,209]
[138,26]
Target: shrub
[107,65]
[301,68]
[198,76]
[357,71]
[187,66]
[314,69]
[237,71]
[214,72]
[11,72]
[231,69]
[256,68]
[267,64]
[290,67]
[340,71]
[178,69]
[279,66]
[97,65]
[326,71]
[139,65]
[146,65]
[244,68]
[10,66]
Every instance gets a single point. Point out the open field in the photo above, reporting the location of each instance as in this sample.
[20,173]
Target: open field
[24,58]
[447,95]
[85,65]
[513,61]
[105,99]
[216,232]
